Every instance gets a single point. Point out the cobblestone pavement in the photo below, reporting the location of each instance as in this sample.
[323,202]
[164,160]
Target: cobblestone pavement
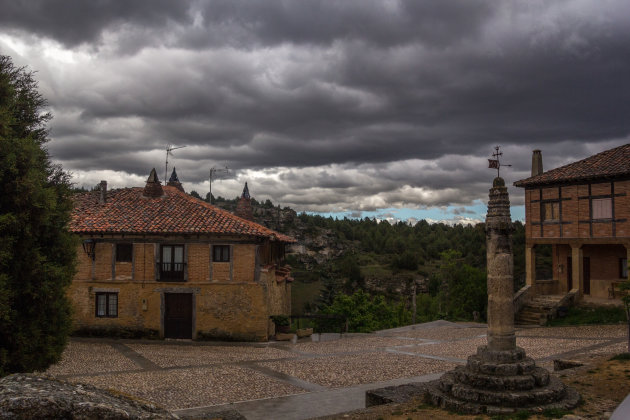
[317,376]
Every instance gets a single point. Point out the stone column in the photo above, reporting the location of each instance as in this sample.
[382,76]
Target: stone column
[499,228]
[578,268]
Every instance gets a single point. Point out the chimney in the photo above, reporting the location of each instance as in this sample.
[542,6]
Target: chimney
[103,188]
[174,181]
[244,205]
[153,188]
[537,167]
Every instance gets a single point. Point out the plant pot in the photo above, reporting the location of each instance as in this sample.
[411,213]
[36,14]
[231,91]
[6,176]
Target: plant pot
[284,336]
[283,328]
[304,332]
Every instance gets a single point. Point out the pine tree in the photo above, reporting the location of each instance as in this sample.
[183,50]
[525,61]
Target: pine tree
[37,253]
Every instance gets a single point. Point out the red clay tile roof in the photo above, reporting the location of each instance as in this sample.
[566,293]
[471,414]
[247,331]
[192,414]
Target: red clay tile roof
[128,211]
[613,163]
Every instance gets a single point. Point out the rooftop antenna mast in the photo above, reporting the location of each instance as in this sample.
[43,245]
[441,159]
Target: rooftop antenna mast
[214,174]
[495,163]
[169,149]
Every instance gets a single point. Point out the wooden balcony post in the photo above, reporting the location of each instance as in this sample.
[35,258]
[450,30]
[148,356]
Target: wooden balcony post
[578,268]
[530,265]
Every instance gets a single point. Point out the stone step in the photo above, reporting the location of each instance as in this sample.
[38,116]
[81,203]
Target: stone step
[537,378]
[435,396]
[553,391]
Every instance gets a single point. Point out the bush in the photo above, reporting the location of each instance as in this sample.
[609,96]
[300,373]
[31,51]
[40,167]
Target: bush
[583,315]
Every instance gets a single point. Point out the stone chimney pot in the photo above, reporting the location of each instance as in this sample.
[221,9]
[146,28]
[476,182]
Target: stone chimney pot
[537,166]
[103,190]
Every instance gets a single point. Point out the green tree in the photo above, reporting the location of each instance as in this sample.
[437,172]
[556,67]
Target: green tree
[37,253]
[366,314]
[462,288]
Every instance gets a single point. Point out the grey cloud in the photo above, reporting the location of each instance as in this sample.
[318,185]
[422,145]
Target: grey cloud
[74,22]
[336,104]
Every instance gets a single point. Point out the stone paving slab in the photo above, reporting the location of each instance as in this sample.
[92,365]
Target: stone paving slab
[316,378]
[182,388]
[348,370]
[444,333]
[176,355]
[538,348]
[582,332]
[354,344]
[306,406]
[89,358]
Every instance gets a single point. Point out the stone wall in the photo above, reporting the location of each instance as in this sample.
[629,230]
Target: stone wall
[228,303]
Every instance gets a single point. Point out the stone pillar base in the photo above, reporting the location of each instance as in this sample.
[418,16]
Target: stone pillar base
[500,382]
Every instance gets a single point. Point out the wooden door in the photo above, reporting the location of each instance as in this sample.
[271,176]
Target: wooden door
[178,315]
[569,274]
[587,275]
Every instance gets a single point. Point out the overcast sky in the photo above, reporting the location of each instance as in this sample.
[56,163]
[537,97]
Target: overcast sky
[354,107]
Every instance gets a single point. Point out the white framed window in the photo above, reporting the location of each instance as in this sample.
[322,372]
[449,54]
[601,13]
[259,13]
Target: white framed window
[602,208]
[107,305]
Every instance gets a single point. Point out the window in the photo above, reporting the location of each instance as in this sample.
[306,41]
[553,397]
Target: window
[551,211]
[124,252]
[220,253]
[623,268]
[107,305]
[602,208]
[172,266]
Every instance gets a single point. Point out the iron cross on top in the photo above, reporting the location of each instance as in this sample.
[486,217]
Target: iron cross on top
[495,163]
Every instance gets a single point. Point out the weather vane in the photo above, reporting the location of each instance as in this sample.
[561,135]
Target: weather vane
[494,163]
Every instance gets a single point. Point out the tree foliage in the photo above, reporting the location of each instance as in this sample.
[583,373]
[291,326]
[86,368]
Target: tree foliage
[367,313]
[37,253]
[462,289]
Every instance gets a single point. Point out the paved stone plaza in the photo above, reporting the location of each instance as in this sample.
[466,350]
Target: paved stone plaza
[308,378]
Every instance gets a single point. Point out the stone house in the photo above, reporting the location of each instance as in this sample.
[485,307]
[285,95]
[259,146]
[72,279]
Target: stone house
[583,211]
[158,259]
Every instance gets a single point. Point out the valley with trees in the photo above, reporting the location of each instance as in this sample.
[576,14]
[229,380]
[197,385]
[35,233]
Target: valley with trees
[367,270]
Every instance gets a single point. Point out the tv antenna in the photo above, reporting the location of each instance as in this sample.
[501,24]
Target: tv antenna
[495,163]
[215,173]
[169,149]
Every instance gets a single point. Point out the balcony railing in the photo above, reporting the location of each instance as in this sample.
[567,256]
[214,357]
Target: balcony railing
[172,271]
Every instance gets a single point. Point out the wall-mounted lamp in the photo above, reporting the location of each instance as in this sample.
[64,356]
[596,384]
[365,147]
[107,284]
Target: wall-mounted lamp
[560,268]
[88,248]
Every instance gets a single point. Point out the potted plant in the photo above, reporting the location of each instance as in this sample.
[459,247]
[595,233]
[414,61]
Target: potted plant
[281,322]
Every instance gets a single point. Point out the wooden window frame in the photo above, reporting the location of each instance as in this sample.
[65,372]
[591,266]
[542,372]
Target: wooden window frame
[602,200]
[108,313]
[124,252]
[170,275]
[554,205]
[221,253]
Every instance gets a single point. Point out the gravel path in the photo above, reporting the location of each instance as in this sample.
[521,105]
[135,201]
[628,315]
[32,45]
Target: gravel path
[174,355]
[188,374]
[82,358]
[343,371]
[183,388]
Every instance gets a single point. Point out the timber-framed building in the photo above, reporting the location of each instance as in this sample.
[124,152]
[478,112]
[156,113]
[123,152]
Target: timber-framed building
[583,211]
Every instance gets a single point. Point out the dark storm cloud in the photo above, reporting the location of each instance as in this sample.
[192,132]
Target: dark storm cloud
[383,23]
[73,22]
[359,103]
